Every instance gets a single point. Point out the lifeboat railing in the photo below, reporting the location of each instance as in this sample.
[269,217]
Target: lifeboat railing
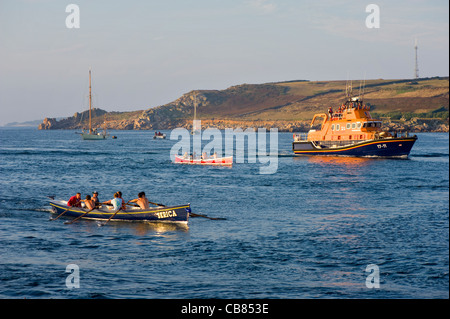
[300,137]
[336,143]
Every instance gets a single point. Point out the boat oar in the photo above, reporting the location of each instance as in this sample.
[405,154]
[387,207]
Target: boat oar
[60,214]
[193,214]
[204,216]
[157,204]
[81,216]
[112,216]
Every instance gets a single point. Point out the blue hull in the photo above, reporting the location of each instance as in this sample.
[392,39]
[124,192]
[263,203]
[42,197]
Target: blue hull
[173,214]
[396,147]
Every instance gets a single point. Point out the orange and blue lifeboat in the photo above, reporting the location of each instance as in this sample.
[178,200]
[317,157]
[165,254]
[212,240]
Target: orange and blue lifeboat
[351,131]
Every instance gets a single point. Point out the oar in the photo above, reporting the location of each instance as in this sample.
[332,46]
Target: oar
[81,216]
[60,214]
[193,214]
[111,217]
[204,216]
[157,204]
[51,219]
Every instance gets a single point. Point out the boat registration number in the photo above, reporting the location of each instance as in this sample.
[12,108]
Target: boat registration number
[382,145]
[165,214]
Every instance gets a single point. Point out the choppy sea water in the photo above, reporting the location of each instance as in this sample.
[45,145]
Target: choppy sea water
[308,231]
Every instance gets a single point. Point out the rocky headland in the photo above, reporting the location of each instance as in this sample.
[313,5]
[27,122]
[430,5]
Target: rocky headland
[420,105]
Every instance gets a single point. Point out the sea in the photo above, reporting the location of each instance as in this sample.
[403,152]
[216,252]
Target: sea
[315,228]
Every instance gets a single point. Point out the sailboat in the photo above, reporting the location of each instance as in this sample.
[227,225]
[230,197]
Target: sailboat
[92,134]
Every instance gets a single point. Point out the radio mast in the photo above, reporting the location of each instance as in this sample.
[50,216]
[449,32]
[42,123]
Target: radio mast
[416,68]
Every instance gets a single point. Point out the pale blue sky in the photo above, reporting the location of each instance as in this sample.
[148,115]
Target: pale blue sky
[148,53]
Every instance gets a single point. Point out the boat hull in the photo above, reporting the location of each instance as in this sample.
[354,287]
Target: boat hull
[172,214]
[85,136]
[222,161]
[391,147]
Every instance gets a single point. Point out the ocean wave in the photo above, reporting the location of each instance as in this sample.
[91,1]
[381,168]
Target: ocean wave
[430,155]
[16,152]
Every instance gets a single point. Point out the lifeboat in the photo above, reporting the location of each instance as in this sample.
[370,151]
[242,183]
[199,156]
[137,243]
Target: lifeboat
[351,131]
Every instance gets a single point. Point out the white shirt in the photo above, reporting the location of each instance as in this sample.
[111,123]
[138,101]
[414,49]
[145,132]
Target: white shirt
[117,203]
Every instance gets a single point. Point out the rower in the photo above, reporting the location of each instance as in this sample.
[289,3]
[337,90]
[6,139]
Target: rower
[95,198]
[123,201]
[90,203]
[75,201]
[142,201]
[116,202]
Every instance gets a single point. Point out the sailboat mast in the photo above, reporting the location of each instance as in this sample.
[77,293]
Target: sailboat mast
[90,104]
[195,109]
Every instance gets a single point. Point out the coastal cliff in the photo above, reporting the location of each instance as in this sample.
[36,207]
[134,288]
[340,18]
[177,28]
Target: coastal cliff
[420,105]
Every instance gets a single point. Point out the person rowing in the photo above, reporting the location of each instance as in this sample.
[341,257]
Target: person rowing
[142,201]
[95,198]
[116,202]
[90,203]
[75,201]
[123,201]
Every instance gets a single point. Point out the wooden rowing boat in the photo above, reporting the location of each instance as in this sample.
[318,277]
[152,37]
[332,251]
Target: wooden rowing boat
[219,161]
[168,214]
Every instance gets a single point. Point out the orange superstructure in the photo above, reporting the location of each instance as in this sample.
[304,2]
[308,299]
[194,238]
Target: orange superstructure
[350,122]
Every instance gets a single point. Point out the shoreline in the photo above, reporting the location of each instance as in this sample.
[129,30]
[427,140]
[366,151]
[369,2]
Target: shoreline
[415,125]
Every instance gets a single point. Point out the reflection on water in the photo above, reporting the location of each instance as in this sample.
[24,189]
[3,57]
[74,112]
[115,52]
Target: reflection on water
[135,228]
[344,161]
[146,228]
[142,229]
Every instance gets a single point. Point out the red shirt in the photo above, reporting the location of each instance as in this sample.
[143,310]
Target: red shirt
[74,201]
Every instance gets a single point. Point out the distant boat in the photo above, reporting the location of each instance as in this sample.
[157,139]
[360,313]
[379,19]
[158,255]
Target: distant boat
[159,135]
[92,134]
[204,160]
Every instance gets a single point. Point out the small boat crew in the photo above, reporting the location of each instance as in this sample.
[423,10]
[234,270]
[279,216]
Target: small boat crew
[160,213]
[159,135]
[351,131]
[204,159]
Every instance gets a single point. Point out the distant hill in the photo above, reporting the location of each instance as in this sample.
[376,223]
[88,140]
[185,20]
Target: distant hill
[286,105]
[33,123]
[23,124]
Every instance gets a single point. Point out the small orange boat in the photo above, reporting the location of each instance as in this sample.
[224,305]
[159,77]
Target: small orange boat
[351,131]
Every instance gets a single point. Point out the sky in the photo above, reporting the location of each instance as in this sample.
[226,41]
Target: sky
[146,53]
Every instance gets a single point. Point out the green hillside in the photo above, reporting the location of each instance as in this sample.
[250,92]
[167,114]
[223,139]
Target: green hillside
[290,101]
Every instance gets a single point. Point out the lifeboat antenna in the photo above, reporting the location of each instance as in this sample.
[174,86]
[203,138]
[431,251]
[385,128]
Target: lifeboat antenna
[349,90]
[364,86]
[346,87]
[359,92]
